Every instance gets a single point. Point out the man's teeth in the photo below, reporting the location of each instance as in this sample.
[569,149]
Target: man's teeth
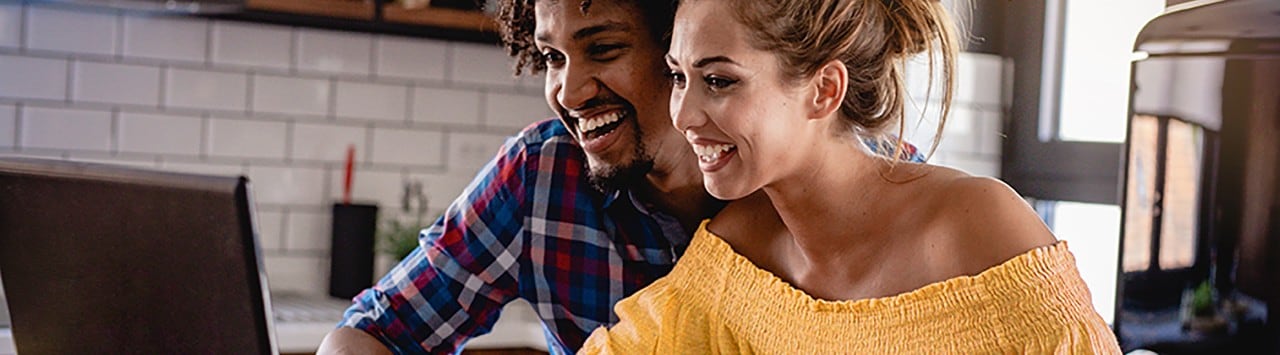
[587,125]
[710,153]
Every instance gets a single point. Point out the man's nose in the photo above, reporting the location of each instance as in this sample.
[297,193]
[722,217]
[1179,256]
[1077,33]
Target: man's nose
[578,84]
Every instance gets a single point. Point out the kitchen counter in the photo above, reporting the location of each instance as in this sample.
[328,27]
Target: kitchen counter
[302,322]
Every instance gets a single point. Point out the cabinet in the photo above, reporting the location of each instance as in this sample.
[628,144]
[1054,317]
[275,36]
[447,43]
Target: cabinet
[458,20]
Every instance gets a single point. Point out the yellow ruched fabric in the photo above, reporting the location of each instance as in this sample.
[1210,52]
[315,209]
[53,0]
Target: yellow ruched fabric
[717,302]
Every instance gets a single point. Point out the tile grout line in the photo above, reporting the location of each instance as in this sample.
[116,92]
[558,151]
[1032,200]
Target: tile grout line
[19,116]
[118,47]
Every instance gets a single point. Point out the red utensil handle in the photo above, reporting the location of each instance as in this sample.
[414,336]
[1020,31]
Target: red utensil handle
[346,183]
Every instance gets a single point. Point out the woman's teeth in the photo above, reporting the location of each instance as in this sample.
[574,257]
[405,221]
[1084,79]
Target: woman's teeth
[587,125]
[710,153]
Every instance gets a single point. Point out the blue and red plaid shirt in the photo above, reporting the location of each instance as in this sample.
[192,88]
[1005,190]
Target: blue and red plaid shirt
[529,226]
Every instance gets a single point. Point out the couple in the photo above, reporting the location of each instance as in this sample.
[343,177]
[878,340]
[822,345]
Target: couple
[825,247]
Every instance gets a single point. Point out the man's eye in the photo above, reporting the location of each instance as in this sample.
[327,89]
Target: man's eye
[604,51]
[552,58]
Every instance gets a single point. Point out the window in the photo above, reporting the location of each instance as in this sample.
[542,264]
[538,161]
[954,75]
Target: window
[1069,122]
[1095,67]
[1091,231]
[1163,194]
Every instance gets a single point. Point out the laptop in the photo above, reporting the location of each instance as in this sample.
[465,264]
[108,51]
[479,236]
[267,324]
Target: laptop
[104,259]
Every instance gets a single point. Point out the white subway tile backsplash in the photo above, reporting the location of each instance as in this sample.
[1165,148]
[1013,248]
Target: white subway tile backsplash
[974,165]
[290,95]
[446,106]
[373,101]
[297,274]
[166,37]
[287,185]
[308,231]
[35,78]
[206,90]
[116,83]
[65,129]
[254,45]
[270,230]
[514,111]
[442,189]
[959,135]
[10,25]
[8,126]
[246,139]
[410,58]
[327,142]
[979,79]
[383,188]
[530,82]
[407,147]
[470,151]
[482,64]
[916,75]
[75,31]
[334,52]
[920,127]
[990,130]
[159,134]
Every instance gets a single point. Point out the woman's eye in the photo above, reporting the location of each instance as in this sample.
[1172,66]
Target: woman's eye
[677,78]
[718,83]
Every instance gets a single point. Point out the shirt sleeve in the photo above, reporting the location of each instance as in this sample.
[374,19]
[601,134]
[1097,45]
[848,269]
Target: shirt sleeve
[454,284]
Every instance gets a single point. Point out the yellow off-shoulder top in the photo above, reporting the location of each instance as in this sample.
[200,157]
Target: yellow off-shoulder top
[716,301]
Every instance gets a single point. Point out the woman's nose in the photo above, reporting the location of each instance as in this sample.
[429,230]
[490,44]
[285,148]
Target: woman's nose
[684,112]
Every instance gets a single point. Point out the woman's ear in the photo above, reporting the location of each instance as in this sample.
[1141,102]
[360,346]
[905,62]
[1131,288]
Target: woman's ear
[831,81]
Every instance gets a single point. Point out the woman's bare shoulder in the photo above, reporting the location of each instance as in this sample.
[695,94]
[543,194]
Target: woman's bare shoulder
[983,222]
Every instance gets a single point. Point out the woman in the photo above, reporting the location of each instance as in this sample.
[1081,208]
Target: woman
[863,254]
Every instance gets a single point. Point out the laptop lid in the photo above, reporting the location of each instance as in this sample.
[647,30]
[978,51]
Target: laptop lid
[105,259]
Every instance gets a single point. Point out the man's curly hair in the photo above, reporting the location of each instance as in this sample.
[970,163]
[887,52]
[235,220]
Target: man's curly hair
[516,24]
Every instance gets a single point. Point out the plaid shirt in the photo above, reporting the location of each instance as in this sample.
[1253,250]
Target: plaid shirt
[529,226]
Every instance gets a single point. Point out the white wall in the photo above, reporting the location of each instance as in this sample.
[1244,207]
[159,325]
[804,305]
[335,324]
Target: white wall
[280,104]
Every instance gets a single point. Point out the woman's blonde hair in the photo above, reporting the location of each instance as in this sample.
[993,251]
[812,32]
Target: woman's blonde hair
[873,38]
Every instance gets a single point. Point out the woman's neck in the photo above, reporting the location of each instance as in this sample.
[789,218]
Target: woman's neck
[831,211]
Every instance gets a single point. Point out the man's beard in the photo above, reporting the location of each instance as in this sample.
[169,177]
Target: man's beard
[620,177]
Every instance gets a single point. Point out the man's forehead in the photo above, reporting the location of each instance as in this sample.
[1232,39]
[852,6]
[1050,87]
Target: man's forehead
[566,20]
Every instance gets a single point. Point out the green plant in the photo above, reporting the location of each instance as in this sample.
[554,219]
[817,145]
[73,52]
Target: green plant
[398,238]
[1202,300]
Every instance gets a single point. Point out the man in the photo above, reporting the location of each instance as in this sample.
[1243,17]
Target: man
[573,214]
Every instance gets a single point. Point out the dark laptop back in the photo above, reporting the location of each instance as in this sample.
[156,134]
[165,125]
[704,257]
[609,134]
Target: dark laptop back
[103,259]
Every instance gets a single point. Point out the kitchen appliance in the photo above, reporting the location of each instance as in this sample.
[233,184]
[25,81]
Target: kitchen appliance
[104,259]
[1201,202]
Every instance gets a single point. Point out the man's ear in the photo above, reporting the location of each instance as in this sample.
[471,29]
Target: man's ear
[830,82]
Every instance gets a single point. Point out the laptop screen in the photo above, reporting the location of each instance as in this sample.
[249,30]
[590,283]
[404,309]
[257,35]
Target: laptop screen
[103,259]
